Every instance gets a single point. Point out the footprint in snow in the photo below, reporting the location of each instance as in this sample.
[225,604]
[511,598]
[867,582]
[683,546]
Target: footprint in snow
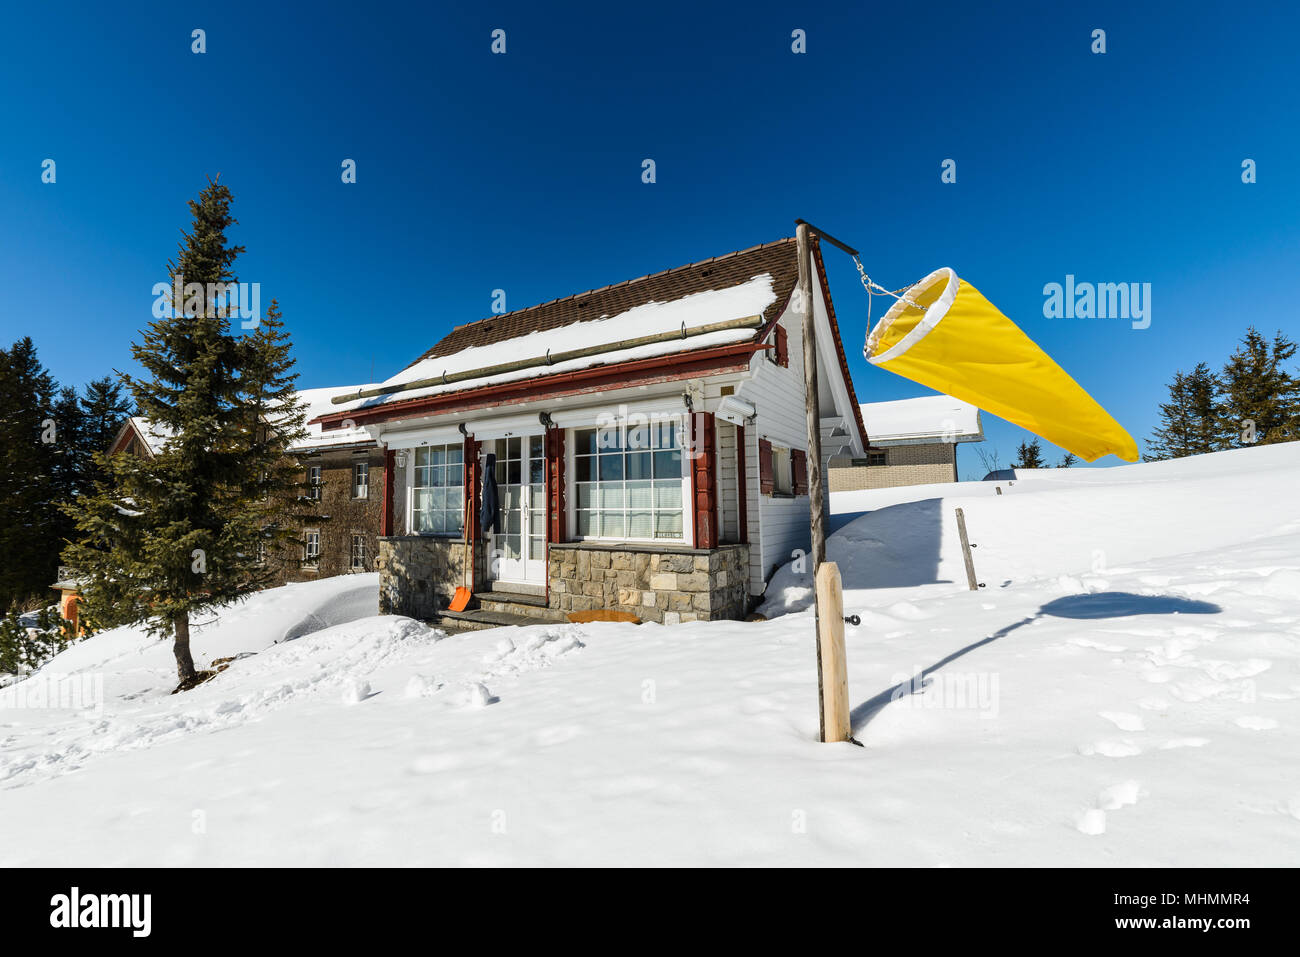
[1123,721]
[1110,749]
[354,692]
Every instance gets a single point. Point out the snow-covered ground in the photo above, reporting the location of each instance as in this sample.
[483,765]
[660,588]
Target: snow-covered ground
[1124,691]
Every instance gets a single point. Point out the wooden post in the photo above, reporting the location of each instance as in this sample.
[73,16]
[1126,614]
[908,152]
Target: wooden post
[965,551]
[816,489]
[803,249]
[835,678]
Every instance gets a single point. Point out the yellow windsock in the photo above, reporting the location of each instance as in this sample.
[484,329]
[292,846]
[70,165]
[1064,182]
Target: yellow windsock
[960,344]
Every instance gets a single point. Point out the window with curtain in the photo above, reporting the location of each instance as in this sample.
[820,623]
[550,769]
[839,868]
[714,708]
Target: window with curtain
[438,490]
[628,482]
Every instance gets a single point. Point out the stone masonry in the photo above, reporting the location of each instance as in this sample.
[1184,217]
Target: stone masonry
[418,574]
[655,584]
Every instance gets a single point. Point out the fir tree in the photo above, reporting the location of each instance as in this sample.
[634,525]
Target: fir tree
[167,537]
[28,490]
[1029,455]
[1261,400]
[1190,422]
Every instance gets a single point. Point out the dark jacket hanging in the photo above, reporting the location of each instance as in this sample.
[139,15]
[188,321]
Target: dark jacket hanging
[488,512]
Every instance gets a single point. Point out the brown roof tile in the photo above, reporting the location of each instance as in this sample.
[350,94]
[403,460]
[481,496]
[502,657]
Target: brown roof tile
[721,272]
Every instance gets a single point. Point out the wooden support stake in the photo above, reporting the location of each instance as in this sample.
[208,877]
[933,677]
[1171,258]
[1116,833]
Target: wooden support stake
[835,678]
[965,551]
[816,502]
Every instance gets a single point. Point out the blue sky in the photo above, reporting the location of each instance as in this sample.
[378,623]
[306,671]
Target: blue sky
[522,172]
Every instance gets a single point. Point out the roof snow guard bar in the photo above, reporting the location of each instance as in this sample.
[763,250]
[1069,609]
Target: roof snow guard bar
[551,358]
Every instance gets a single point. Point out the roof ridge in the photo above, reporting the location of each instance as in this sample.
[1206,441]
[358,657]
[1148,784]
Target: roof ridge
[624,282]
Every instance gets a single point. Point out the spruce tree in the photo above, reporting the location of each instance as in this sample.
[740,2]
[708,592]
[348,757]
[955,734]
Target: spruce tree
[1029,455]
[1261,400]
[29,438]
[167,537]
[1190,422]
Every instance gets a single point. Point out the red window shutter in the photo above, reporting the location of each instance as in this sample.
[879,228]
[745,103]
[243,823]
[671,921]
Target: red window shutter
[782,347]
[799,465]
[766,481]
[704,479]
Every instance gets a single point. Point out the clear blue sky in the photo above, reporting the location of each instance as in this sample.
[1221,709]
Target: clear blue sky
[522,171]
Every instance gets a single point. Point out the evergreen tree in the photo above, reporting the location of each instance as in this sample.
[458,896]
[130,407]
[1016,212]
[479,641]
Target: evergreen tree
[171,536]
[1029,455]
[28,493]
[1261,400]
[1191,421]
[1068,460]
[104,408]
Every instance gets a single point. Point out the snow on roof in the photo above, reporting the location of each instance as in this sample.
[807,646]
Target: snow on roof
[750,298]
[155,436]
[316,403]
[934,418]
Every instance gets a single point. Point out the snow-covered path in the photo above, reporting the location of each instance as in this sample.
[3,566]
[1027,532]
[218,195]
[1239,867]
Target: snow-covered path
[1125,690]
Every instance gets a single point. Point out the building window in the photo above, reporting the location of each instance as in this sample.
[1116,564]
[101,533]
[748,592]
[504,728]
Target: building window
[311,547]
[781,474]
[313,483]
[358,561]
[629,482]
[261,551]
[361,480]
[877,457]
[438,490]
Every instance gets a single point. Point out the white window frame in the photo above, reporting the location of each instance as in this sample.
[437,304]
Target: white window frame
[411,487]
[360,489]
[310,560]
[358,539]
[314,483]
[571,487]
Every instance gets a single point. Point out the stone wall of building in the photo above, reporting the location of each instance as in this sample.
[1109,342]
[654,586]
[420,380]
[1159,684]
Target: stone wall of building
[905,465]
[654,584]
[337,514]
[418,574]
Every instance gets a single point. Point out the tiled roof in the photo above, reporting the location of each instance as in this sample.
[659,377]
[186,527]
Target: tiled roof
[777,258]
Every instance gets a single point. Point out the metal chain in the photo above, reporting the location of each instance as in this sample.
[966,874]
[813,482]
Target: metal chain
[869,284]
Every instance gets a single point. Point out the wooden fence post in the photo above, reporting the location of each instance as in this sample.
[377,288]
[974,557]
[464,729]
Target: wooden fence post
[965,551]
[834,665]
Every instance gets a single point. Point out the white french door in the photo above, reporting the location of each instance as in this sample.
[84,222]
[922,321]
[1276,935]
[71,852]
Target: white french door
[519,543]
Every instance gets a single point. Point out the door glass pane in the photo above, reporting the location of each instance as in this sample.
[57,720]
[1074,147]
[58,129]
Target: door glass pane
[513,447]
[534,446]
[537,549]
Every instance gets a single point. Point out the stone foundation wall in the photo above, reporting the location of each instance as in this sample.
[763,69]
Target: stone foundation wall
[418,574]
[655,585]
